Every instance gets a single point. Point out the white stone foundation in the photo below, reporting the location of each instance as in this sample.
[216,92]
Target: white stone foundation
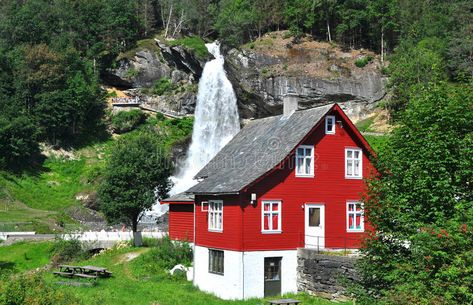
[243,276]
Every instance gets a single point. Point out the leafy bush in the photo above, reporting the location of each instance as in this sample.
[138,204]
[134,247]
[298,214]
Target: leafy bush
[125,121]
[67,251]
[361,62]
[32,290]
[162,86]
[167,253]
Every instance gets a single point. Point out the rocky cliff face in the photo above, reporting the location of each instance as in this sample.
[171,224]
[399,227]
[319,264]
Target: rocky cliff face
[139,69]
[318,72]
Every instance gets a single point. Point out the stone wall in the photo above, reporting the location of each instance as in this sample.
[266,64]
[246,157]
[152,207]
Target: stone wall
[323,275]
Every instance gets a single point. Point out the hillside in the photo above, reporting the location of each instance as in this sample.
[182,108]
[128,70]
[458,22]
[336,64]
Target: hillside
[60,196]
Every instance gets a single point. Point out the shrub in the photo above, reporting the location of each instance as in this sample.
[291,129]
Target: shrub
[167,253]
[32,290]
[125,121]
[160,117]
[68,250]
[162,86]
[361,62]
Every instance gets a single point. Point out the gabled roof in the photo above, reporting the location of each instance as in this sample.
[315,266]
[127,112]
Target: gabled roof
[258,148]
[179,198]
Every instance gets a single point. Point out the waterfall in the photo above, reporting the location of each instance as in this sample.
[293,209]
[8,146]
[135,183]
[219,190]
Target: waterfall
[216,122]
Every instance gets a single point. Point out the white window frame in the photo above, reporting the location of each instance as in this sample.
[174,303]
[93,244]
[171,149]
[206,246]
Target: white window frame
[271,213]
[215,209]
[332,118]
[354,213]
[304,157]
[353,160]
[211,270]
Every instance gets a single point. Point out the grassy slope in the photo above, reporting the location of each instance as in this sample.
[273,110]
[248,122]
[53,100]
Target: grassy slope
[134,283]
[34,202]
[23,256]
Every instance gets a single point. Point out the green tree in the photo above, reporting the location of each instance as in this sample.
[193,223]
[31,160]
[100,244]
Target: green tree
[412,66]
[18,142]
[136,176]
[421,205]
[300,16]
[236,22]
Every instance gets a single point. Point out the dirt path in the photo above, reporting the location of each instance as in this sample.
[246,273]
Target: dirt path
[128,257]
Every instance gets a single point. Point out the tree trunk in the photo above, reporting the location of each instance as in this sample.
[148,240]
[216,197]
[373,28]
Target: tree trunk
[328,31]
[137,240]
[168,22]
[382,46]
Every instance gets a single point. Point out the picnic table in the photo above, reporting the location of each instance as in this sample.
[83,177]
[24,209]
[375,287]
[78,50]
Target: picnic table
[89,272]
[284,301]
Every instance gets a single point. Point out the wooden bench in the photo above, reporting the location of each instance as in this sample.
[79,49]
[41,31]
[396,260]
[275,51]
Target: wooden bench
[65,274]
[284,301]
[86,276]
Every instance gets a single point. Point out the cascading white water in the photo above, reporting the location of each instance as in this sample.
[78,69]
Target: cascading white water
[216,122]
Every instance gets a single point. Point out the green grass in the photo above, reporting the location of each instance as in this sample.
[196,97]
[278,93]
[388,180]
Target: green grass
[193,43]
[133,282]
[24,256]
[365,125]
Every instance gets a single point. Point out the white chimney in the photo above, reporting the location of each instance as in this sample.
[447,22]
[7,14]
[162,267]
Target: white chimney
[290,102]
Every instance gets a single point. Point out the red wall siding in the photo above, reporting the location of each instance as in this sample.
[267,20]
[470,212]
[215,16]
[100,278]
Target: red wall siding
[328,187]
[181,222]
[231,236]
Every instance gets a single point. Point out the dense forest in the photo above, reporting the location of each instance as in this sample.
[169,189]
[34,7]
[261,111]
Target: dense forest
[52,52]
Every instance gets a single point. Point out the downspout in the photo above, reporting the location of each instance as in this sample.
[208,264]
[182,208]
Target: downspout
[242,244]
[193,252]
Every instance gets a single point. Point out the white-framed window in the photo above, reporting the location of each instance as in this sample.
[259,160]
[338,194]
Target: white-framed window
[271,216]
[216,261]
[305,161]
[353,163]
[330,124]
[215,215]
[355,218]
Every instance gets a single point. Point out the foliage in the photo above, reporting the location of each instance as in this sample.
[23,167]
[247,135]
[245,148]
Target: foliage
[125,121]
[363,61]
[414,66]
[194,44]
[18,142]
[64,251]
[136,175]
[31,290]
[421,204]
[166,254]
[162,86]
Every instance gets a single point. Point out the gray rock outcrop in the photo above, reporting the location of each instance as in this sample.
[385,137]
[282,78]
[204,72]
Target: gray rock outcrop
[138,70]
[260,87]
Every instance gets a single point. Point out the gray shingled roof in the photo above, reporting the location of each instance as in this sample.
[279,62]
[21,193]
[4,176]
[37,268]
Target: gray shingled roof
[182,197]
[256,149]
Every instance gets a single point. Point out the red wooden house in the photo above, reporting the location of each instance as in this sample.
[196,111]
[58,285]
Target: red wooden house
[181,217]
[282,183]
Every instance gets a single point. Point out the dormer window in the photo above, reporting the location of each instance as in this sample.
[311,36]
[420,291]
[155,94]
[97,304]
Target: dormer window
[305,161]
[330,124]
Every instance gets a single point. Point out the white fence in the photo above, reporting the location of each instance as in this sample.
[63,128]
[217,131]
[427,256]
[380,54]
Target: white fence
[109,236]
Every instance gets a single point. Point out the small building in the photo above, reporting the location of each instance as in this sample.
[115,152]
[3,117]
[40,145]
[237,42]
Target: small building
[181,217]
[282,183]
